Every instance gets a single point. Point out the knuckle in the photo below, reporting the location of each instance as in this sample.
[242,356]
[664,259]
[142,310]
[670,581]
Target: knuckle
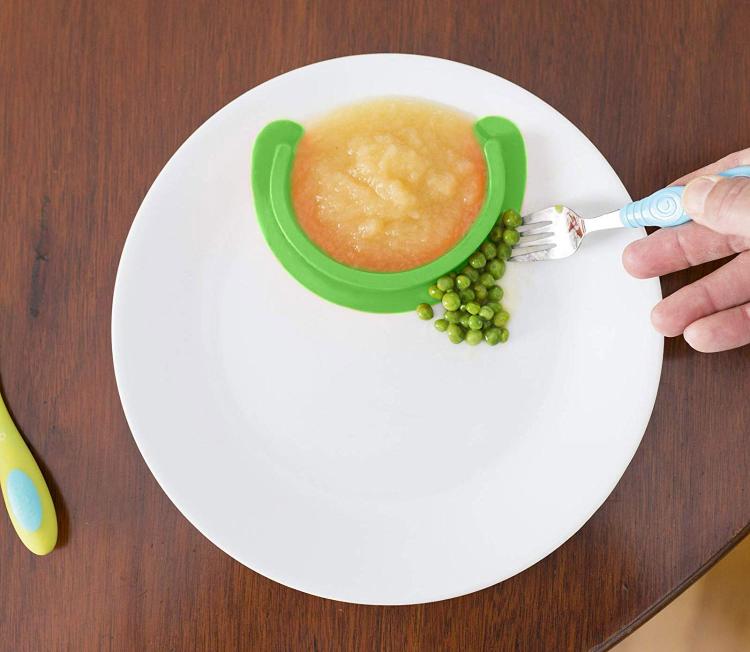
[741,158]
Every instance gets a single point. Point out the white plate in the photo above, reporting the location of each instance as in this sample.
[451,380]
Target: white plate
[363,457]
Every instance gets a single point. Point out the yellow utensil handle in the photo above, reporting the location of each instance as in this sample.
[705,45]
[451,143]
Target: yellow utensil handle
[25,492]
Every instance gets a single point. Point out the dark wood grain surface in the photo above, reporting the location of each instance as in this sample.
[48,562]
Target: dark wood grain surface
[96,96]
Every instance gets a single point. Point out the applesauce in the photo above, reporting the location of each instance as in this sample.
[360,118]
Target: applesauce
[389,184]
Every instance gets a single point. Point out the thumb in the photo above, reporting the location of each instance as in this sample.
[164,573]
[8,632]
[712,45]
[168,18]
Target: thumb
[720,203]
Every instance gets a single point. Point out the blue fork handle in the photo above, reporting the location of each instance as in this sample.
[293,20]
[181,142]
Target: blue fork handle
[664,207]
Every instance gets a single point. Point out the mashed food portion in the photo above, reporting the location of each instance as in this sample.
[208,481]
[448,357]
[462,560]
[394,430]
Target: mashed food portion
[390,184]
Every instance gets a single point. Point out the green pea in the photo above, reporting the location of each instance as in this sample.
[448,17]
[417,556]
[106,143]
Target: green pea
[495,306]
[501,318]
[471,273]
[451,301]
[462,281]
[496,268]
[467,295]
[495,293]
[435,292]
[496,234]
[477,260]
[487,280]
[452,316]
[511,237]
[464,321]
[489,250]
[455,333]
[424,311]
[512,219]
[473,337]
[475,323]
[486,313]
[480,293]
[492,336]
[473,308]
[504,334]
[445,283]
[441,325]
[503,251]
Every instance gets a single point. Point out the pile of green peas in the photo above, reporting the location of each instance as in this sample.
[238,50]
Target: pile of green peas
[471,297]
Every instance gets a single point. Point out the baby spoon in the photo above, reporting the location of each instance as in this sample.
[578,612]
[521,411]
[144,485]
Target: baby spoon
[25,492]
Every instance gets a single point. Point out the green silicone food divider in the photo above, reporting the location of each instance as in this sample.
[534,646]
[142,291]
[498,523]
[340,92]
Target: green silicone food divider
[273,157]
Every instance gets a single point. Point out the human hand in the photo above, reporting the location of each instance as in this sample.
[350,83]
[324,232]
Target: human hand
[713,313]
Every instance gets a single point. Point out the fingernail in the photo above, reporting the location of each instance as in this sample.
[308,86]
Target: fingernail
[695,194]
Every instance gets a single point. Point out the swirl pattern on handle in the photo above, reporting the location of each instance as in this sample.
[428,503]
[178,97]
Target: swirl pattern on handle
[663,208]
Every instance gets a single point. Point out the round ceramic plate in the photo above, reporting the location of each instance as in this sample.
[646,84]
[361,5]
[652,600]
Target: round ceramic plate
[363,457]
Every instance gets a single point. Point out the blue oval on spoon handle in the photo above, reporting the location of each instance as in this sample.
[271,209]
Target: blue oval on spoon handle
[25,492]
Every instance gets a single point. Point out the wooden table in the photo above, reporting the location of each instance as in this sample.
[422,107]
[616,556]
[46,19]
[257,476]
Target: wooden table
[96,96]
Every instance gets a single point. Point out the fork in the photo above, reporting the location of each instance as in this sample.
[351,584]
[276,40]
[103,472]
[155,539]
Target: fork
[556,232]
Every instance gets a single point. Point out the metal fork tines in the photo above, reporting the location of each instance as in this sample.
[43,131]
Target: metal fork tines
[555,232]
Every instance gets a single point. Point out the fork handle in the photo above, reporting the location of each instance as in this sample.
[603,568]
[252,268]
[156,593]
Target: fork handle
[664,207]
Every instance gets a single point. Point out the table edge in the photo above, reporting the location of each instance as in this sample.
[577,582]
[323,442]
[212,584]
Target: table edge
[674,593]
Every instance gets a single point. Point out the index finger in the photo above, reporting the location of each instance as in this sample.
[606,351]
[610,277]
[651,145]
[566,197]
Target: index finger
[731,161]
[679,247]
